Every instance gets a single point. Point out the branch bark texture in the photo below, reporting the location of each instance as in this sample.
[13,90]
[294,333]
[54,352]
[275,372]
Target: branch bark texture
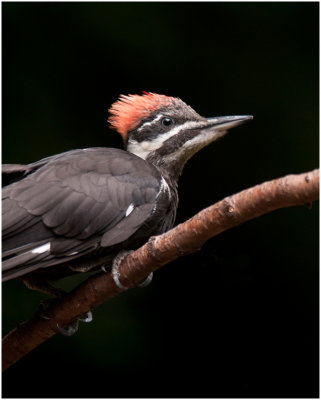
[185,238]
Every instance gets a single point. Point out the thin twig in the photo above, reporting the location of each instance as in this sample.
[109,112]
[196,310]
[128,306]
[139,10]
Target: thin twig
[188,237]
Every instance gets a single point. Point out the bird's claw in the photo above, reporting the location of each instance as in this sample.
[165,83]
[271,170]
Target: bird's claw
[146,281]
[70,329]
[115,271]
[104,268]
[115,268]
[88,317]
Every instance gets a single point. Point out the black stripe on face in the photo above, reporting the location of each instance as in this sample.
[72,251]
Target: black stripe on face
[151,127]
[178,112]
[174,143]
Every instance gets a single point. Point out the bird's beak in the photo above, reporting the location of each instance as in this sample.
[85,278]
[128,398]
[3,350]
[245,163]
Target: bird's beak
[224,123]
[211,129]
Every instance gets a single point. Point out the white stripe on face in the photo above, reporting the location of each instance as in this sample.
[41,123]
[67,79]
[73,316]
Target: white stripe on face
[193,145]
[144,148]
[159,116]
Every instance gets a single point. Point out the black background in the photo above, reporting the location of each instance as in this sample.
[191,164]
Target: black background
[240,317]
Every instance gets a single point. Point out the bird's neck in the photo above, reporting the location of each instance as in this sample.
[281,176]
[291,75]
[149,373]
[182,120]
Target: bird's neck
[169,158]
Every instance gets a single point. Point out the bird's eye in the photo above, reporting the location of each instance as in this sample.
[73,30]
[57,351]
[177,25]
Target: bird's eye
[166,121]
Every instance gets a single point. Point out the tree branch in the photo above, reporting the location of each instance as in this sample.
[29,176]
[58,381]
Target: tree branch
[185,238]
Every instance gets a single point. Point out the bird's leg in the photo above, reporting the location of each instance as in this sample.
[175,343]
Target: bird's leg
[115,270]
[81,268]
[89,265]
[46,288]
[42,286]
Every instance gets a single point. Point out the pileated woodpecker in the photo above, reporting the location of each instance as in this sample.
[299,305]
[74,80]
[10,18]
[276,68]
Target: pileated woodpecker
[77,210]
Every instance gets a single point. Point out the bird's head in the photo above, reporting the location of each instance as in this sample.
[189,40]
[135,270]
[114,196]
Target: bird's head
[164,130]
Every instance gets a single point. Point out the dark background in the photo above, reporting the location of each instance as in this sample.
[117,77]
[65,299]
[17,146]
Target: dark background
[240,317]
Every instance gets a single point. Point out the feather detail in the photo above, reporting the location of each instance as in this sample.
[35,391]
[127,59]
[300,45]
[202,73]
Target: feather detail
[129,110]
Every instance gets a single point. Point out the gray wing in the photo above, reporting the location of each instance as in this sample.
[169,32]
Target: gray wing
[73,204]
[14,172]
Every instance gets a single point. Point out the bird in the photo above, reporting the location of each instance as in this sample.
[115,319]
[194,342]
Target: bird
[79,210]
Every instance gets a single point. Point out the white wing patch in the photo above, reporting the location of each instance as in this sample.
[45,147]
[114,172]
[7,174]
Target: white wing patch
[41,249]
[130,209]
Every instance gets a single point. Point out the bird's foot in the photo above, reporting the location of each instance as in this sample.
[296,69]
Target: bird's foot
[46,303]
[81,268]
[115,271]
[146,281]
[86,318]
[115,268]
[72,328]
[42,286]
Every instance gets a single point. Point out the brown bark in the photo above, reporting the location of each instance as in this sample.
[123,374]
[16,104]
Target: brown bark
[185,238]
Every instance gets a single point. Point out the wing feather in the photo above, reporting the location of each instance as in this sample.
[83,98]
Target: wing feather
[77,201]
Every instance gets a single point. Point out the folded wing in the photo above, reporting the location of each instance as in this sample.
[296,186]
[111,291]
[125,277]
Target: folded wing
[69,205]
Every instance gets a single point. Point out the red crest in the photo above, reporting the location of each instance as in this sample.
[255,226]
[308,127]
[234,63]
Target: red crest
[129,110]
